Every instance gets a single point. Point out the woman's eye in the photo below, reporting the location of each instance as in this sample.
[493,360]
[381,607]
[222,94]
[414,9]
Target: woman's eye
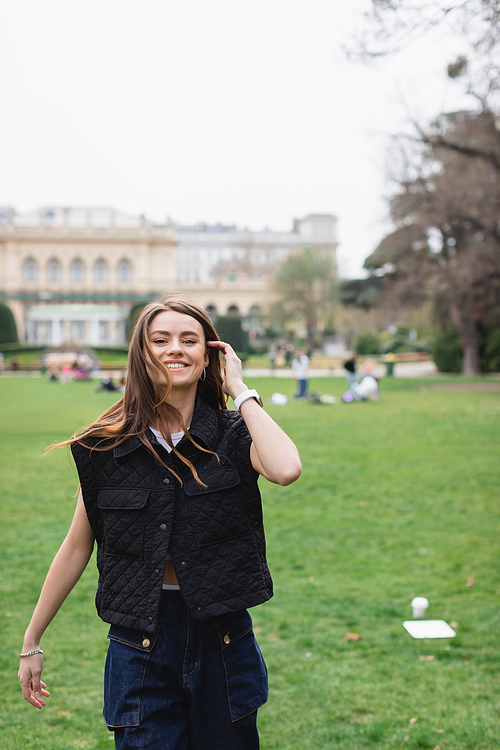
[189,341]
[159,341]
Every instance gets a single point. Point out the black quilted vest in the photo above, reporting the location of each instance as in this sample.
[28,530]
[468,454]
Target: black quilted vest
[138,510]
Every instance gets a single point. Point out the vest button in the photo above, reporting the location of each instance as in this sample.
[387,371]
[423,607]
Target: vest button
[183,562]
[166,480]
[163,526]
[156,573]
[150,620]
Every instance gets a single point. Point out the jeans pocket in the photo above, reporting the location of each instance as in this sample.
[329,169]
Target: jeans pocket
[127,659]
[246,673]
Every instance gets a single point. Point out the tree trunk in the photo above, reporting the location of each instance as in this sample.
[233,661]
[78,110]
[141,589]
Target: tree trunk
[466,324]
[471,355]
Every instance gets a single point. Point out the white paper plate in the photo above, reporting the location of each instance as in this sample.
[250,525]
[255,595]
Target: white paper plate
[429,629]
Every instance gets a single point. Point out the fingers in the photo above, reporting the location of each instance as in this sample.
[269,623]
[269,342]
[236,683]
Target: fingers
[30,695]
[233,374]
[225,348]
[33,688]
[222,346]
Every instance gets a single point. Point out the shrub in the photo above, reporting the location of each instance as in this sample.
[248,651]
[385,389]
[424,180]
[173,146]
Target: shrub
[8,329]
[134,313]
[448,353]
[491,358]
[367,342]
[229,329]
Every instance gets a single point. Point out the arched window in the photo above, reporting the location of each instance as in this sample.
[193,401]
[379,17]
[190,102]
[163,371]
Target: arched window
[30,270]
[211,310]
[77,271]
[53,270]
[124,271]
[255,311]
[233,310]
[101,271]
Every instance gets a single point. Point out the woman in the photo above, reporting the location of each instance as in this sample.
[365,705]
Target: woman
[169,493]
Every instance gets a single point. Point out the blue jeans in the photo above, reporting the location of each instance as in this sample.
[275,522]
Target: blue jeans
[192,686]
[301,388]
[352,380]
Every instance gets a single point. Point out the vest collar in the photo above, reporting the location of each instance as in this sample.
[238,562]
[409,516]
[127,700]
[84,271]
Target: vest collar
[203,429]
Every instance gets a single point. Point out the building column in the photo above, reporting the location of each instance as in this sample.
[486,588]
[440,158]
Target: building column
[94,331]
[56,331]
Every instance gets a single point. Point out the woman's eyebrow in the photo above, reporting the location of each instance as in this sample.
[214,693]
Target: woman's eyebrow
[183,333]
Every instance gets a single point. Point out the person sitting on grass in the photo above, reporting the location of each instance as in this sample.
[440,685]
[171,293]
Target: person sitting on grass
[168,490]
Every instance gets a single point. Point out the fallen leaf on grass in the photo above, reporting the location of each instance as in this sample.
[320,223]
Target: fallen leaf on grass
[437,747]
[469,582]
[353,637]
[454,624]
[426,658]
[413,721]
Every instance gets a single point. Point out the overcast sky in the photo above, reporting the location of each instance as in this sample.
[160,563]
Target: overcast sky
[209,110]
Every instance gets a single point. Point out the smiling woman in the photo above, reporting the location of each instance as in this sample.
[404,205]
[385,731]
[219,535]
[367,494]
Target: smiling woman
[178,342]
[169,493]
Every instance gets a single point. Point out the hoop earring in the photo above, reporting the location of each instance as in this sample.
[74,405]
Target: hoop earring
[203,375]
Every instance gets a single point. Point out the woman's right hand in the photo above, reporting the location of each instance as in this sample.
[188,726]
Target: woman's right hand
[34,689]
[66,569]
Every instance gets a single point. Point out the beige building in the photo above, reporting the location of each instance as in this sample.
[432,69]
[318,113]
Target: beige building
[73,274]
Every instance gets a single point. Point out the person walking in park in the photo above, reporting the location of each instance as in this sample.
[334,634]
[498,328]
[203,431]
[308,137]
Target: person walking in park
[168,490]
[300,369]
[351,374]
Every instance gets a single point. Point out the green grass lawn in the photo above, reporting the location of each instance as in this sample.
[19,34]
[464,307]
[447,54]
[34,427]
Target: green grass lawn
[397,498]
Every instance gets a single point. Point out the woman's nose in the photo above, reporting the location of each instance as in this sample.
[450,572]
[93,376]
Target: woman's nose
[175,347]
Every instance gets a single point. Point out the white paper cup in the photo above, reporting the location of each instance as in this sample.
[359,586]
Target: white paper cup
[419,606]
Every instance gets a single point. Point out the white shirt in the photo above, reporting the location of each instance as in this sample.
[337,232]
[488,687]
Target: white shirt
[176,438]
[300,366]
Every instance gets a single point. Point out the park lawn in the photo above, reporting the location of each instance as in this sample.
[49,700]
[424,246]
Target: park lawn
[397,498]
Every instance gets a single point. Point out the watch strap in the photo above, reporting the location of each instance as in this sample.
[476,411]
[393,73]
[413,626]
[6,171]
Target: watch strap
[251,393]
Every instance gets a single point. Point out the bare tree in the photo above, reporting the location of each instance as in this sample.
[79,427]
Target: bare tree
[391,25]
[446,239]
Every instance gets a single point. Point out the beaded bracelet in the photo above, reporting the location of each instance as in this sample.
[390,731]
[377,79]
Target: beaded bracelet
[30,653]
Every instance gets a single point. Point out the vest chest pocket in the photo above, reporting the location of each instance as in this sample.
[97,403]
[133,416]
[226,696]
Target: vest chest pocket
[123,516]
[217,511]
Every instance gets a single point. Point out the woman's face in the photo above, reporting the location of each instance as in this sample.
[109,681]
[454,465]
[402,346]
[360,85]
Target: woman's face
[178,341]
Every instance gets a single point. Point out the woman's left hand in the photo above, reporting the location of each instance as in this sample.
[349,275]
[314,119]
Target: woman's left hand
[272,453]
[233,383]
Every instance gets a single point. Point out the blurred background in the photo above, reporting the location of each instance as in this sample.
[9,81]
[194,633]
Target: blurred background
[327,172]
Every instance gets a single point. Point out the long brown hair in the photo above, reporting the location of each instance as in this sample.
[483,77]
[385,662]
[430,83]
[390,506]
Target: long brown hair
[141,406]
